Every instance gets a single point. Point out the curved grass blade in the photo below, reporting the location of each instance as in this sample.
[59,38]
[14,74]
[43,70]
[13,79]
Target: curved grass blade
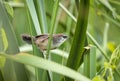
[33,14]
[45,64]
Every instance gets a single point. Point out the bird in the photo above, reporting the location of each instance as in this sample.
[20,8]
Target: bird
[41,41]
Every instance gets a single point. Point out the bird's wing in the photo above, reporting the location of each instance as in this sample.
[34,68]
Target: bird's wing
[42,37]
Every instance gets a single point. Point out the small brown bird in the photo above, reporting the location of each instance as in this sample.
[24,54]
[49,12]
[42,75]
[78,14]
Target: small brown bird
[42,40]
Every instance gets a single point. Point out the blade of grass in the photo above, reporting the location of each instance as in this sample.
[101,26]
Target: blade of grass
[16,4]
[52,25]
[105,36]
[12,71]
[108,5]
[80,35]
[115,2]
[71,16]
[69,20]
[45,64]
[40,9]
[90,62]
[111,19]
[33,14]
[1,77]
[76,51]
[77,4]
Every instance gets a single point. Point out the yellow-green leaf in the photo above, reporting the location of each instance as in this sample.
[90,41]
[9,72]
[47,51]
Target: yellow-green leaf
[98,78]
[9,9]
[4,38]
[2,61]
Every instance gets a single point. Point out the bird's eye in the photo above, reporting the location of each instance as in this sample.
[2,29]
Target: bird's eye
[64,36]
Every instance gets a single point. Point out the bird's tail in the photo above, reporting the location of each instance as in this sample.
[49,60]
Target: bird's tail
[27,38]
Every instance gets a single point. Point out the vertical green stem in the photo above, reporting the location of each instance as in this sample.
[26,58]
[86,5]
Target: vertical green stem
[55,8]
[76,51]
[40,9]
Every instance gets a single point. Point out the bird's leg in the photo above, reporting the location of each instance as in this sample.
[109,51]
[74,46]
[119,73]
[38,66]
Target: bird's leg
[44,54]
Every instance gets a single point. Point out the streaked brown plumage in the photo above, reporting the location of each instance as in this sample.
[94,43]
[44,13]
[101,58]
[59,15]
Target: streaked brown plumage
[42,40]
